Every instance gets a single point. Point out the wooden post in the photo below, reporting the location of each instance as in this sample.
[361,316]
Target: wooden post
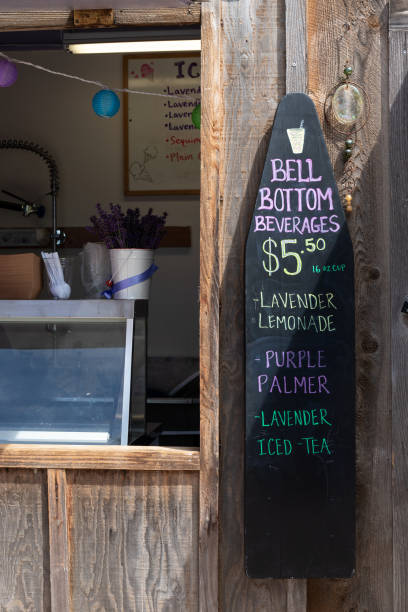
[209,306]
[64,18]
[398,80]
[251,39]
[296,52]
[59,541]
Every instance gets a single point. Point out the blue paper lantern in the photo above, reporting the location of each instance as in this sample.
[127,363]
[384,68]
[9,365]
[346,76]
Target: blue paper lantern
[105,103]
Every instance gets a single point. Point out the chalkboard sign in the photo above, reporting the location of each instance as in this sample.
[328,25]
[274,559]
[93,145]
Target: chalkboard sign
[300,380]
[162,145]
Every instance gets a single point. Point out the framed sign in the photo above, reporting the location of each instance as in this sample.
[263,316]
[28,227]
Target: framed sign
[162,145]
[300,381]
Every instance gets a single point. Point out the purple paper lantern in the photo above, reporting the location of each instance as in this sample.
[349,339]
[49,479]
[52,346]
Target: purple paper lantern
[8,73]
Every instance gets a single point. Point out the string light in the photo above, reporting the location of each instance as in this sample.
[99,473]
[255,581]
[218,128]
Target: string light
[91,82]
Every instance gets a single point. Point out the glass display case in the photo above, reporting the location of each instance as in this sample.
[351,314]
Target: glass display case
[72,371]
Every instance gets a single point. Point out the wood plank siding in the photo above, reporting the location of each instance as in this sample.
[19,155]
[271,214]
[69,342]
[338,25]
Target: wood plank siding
[64,19]
[97,458]
[398,104]
[134,543]
[24,542]
[153,529]
[116,540]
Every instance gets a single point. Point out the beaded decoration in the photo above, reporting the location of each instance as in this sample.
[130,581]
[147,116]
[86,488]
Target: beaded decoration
[347,108]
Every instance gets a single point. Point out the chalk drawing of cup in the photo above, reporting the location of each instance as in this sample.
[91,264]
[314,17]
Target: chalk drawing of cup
[297,138]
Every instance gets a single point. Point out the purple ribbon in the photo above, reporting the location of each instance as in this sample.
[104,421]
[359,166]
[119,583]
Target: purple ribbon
[129,282]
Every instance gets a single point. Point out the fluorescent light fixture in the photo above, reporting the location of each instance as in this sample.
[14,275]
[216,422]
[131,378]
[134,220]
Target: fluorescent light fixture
[83,437]
[136,46]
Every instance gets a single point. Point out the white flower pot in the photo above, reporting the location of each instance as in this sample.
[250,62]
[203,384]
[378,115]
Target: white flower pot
[126,264]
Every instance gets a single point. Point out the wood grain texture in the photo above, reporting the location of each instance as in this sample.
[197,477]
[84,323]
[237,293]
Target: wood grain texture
[398,15]
[365,42]
[210,205]
[253,80]
[64,19]
[188,15]
[93,18]
[24,561]
[59,540]
[296,596]
[134,541]
[296,48]
[33,20]
[398,74]
[99,458]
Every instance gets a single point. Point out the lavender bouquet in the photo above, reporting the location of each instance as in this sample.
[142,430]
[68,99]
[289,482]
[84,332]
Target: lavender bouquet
[128,231]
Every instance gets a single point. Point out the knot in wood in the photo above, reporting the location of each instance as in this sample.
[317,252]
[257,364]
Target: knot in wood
[369,344]
[374,22]
[373,273]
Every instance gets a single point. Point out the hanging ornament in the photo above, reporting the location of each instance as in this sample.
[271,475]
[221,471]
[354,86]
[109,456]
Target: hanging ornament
[348,104]
[347,108]
[105,103]
[196,116]
[8,73]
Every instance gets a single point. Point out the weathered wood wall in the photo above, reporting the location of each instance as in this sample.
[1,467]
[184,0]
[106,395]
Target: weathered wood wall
[37,19]
[359,29]
[119,538]
[251,41]
[98,540]
[209,305]
[398,71]
[24,549]
[134,541]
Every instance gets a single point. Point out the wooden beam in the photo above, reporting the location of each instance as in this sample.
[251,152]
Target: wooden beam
[357,31]
[253,79]
[175,237]
[209,305]
[47,20]
[398,79]
[188,15]
[98,457]
[36,20]
[398,14]
[296,47]
[59,541]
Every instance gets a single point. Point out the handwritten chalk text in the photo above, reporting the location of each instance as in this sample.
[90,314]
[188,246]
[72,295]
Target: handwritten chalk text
[294,418]
[287,385]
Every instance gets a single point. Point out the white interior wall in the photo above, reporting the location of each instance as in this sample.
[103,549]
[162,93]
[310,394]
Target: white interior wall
[56,113]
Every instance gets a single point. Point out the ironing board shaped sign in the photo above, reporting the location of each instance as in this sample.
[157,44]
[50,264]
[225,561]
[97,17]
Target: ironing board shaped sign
[300,387]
